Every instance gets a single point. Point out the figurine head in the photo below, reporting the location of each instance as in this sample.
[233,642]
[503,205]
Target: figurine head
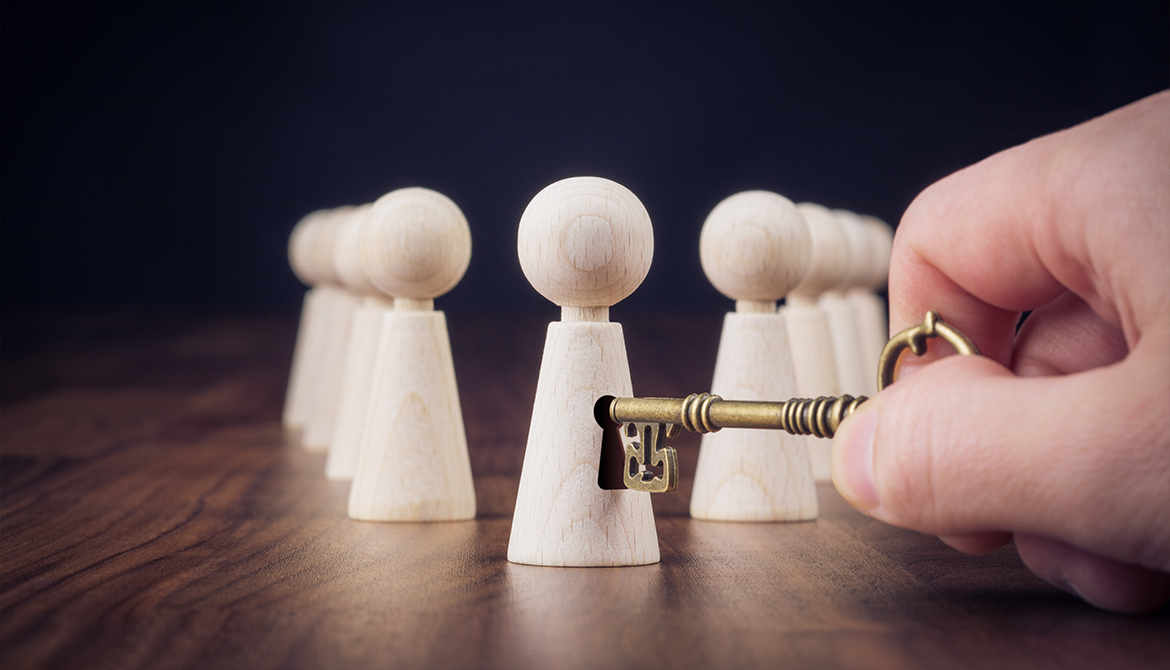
[754,246]
[585,242]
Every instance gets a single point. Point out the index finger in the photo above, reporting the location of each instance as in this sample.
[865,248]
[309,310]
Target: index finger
[1013,232]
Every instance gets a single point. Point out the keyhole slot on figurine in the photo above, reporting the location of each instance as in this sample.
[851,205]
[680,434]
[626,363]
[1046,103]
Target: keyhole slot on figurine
[613,453]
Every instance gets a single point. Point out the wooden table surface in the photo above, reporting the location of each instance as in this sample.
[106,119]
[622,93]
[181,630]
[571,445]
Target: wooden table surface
[154,515]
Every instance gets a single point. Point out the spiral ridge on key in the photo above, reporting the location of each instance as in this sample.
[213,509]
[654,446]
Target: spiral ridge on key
[817,416]
[696,413]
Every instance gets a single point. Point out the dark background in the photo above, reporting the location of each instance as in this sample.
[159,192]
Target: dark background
[156,155]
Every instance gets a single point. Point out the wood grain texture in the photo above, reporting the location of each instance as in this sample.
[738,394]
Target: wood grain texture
[873,316]
[354,401]
[155,516]
[829,253]
[296,400]
[755,247]
[754,475]
[330,369]
[585,242]
[301,245]
[873,331]
[851,373]
[815,368]
[415,243]
[855,374]
[413,463]
[562,516]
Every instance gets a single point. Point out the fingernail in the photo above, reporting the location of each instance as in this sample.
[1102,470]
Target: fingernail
[853,460]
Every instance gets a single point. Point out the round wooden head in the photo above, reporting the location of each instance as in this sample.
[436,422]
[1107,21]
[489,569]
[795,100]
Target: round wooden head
[301,243]
[415,243]
[585,242]
[860,253]
[325,241]
[754,246]
[881,242]
[829,260]
[347,253]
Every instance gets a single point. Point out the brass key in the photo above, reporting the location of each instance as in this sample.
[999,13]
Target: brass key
[640,425]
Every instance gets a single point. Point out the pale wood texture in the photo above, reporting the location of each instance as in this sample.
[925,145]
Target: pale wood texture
[829,259]
[347,253]
[337,315]
[298,397]
[296,403]
[858,292]
[853,375]
[354,402]
[754,475]
[563,518]
[873,321]
[754,247]
[156,517]
[584,243]
[869,314]
[415,244]
[814,367]
[361,351]
[413,463]
[810,335]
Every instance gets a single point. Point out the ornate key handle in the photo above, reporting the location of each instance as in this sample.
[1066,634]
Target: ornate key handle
[914,339]
[647,421]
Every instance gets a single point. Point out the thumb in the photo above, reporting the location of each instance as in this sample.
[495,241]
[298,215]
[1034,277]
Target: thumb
[963,447]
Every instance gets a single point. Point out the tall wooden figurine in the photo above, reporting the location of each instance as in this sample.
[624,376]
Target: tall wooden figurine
[361,353]
[413,463]
[337,316]
[585,243]
[852,376]
[754,249]
[809,333]
[308,347]
[873,320]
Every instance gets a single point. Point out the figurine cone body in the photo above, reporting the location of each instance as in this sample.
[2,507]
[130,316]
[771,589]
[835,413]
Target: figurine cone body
[562,516]
[308,346]
[358,380]
[815,369]
[414,464]
[753,475]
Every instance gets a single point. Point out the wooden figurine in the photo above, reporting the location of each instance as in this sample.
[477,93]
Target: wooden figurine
[809,333]
[308,346]
[584,243]
[754,248]
[851,373]
[364,334]
[873,321]
[413,463]
[337,316]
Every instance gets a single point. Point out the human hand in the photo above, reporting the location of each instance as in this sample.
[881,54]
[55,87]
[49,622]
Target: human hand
[1060,435]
